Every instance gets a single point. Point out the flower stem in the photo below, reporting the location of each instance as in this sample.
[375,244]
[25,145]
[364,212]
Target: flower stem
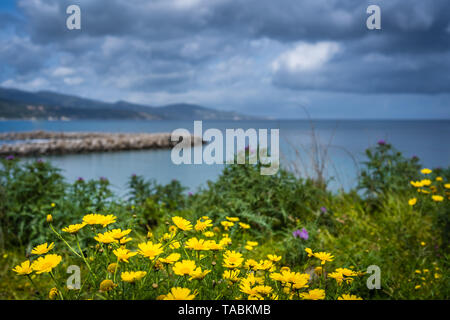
[34,285]
[60,237]
[84,258]
[57,286]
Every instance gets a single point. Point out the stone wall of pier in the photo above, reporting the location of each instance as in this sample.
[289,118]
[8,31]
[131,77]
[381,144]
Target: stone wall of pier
[83,142]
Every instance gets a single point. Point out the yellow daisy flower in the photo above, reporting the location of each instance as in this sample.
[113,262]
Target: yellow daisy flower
[185,267]
[23,269]
[107,285]
[263,290]
[213,245]
[231,275]
[53,293]
[315,294]
[273,257]
[198,274]
[46,263]
[179,293]
[196,244]
[182,223]
[112,267]
[74,228]
[118,233]
[201,224]
[94,218]
[225,241]
[43,248]
[125,240]
[226,224]
[309,252]
[324,257]
[300,280]
[416,184]
[124,254]
[105,238]
[150,250]
[175,245]
[171,258]
[232,259]
[132,276]
[244,225]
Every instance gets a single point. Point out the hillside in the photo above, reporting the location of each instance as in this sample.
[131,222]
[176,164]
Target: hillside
[18,104]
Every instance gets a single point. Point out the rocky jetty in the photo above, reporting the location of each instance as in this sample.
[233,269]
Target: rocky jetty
[45,142]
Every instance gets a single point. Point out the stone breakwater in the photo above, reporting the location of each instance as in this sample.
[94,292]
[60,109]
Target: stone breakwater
[83,142]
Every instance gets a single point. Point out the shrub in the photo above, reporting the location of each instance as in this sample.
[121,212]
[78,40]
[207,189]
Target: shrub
[386,171]
[28,192]
[270,203]
[172,195]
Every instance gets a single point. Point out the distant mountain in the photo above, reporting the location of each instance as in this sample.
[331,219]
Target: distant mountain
[18,104]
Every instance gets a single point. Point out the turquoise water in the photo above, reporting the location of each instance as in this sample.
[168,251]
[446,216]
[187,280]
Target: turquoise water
[346,141]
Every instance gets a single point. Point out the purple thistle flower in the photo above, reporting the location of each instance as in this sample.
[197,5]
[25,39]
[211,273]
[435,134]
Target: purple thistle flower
[80,179]
[11,157]
[303,234]
[381,142]
[323,209]
[190,194]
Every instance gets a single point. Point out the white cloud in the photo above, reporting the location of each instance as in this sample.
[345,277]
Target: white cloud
[44,7]
[62,72]
[73,81]
[112,45]
[186,4]
[32,85]
[306,57]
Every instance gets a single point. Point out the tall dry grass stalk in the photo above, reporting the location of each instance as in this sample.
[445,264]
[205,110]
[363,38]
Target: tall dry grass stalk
[312,160]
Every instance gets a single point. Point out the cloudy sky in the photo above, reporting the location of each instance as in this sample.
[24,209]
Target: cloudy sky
[259,57]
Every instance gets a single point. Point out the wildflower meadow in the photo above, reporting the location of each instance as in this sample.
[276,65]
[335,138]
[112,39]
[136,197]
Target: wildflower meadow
[244,237]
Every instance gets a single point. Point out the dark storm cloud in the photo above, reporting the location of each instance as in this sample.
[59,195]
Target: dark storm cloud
[7,20]
[21,55]
[375,74]
[205,51]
